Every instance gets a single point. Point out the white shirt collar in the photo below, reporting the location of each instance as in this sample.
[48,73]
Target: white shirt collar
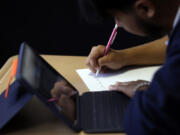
[177,18]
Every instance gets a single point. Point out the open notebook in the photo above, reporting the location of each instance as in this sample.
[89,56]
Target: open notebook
[103,81]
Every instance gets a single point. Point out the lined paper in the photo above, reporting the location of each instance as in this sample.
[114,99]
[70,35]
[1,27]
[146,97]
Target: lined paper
[103,81]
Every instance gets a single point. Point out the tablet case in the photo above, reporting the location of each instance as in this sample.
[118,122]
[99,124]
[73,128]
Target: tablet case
[43,98]
[18,97]
[82,124]
[100,114]
[10,106]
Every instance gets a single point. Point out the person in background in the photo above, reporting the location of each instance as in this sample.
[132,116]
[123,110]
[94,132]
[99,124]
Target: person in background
[154,105]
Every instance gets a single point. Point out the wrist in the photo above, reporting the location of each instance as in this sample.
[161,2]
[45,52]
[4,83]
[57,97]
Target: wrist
[142,86]
[126,56]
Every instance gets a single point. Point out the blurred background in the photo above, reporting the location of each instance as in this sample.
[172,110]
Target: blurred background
[54,27]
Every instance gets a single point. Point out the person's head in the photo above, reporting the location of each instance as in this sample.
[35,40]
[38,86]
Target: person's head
[142,17]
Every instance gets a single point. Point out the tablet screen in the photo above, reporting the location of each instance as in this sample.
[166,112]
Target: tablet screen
[43,80]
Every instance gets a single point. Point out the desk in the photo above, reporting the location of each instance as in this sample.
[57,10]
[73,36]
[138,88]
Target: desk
[31,120]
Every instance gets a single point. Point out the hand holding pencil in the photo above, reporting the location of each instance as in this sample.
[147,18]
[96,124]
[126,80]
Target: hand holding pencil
[64,95]
[102,57]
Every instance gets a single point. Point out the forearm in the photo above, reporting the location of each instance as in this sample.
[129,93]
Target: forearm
[148,54]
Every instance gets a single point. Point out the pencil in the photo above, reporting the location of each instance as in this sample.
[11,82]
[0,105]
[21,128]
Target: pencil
[110,42]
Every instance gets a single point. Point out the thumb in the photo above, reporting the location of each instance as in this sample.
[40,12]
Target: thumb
[103,61]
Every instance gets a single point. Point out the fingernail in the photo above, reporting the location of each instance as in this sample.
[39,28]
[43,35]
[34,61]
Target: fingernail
[97,68]
[73,93]
[102,71]
[111,87]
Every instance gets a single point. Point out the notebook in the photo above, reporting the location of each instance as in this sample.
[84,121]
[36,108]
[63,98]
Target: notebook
[103,81]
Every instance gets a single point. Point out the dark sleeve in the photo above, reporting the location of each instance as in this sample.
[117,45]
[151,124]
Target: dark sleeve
[157,110]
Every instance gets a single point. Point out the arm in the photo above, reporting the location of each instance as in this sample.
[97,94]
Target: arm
[146,54]
[154,111]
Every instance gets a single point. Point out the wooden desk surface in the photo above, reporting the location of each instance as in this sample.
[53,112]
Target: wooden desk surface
[35,118]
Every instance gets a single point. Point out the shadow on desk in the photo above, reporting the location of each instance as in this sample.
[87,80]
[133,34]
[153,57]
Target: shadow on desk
[35,118]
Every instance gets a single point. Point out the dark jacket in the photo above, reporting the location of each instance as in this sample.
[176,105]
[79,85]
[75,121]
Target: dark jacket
[156,111]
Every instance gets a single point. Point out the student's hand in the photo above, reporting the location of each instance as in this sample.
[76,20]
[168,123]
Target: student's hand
[113,60]
[65,92]
[128,88]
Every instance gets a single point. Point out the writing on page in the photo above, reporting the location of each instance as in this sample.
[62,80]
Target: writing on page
[103,81]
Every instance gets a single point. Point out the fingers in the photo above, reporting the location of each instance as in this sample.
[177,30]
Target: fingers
[104,61]
[62,87]
[128,88]
[68,107]
[95,54]
[55,92]
[120,86]
[113,60]
[124,87]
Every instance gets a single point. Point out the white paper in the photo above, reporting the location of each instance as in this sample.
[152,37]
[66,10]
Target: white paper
[103,81]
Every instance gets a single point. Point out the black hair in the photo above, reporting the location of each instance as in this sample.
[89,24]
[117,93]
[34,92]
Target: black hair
[98,10]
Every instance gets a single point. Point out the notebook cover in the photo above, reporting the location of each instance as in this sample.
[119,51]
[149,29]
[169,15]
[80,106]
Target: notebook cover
[15,101]
[93,121]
